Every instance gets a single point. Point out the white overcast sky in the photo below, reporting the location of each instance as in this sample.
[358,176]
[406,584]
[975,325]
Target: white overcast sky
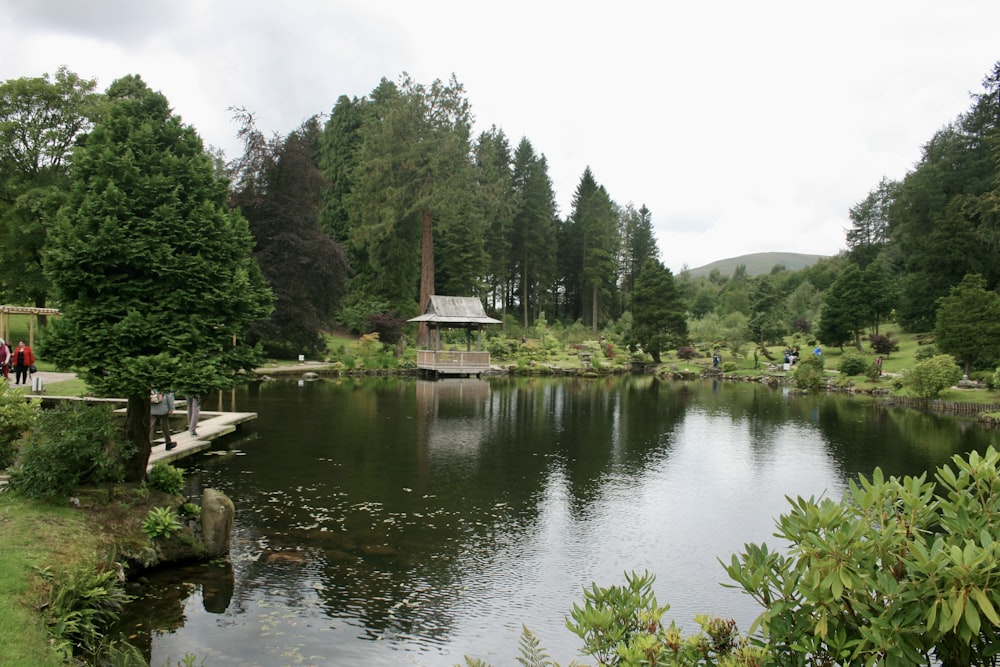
[743,126]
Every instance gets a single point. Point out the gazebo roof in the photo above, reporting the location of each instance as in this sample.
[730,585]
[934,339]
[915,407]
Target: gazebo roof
[455,310]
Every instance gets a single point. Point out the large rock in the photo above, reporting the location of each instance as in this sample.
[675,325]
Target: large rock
[217,513]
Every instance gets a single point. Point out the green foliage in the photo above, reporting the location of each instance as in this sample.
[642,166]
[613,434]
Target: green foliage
[925,352]
[161,522]
[623,626]
[16,416]
[148,214]
[71,444]
[40,121]
[658,312]
[968,324]
[809,374]
[927,379]
[730,367]
[854,363]
[899,572]
[166,477]
[190,510]
[280,191]
[81,603]
[883,344]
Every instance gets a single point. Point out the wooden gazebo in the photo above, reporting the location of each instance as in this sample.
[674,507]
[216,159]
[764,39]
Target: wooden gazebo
[6,311]
[454,312]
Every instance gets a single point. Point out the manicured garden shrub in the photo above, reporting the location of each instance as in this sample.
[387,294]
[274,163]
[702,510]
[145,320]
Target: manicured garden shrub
[927,379]
[686,352]
[854,363]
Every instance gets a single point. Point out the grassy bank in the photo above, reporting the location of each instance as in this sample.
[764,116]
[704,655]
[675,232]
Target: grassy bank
[33,536]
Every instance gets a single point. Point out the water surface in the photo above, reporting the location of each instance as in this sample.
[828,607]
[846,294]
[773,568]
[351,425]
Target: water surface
[400,521]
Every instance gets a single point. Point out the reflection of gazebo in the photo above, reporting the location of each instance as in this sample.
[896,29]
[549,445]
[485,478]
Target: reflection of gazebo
[454,312]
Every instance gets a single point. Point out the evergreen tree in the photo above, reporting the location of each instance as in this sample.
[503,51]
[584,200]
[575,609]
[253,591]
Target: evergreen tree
[151,267]
[589,244]
[413,169]
[498,202]
[869,231]
[658,311]
[968,324]
[846,309]
[638,244]
[533,235]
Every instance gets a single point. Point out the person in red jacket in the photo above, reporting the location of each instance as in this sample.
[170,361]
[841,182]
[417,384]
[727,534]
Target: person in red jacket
[24,359]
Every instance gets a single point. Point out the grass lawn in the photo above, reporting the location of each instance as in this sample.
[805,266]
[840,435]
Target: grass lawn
[33,535]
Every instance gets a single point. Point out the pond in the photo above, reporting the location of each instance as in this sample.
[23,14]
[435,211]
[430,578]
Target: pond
[413,522]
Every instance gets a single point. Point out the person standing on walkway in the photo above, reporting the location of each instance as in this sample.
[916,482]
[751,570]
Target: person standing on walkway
[24,359]
[4,359]
[161,406]
[193,413]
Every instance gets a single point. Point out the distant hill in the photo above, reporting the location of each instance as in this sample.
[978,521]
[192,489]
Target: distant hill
[758,263]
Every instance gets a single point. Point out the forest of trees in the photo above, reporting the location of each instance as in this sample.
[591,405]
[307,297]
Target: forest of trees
[362,212]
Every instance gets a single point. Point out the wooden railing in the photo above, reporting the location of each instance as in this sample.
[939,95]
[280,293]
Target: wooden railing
[453,361]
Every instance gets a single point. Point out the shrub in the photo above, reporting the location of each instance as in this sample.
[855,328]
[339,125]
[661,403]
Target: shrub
[883,344]
[809,374]
[853,363]
[71,444]
[730,366]
[161,522]
[925,352]
[166,478]
[16,416]
[927,379]
[899,572]
[622,626]
[686,352]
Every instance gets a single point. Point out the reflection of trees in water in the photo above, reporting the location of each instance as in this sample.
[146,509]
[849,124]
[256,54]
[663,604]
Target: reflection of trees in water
[376,501]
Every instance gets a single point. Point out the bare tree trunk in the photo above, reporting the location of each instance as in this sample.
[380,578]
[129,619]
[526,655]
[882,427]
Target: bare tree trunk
[426,275]
[137,433]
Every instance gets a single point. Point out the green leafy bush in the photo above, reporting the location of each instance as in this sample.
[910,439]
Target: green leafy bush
[161,522]
[730,367]
[809,374]
[853,363]
[167,478]
[16,416]
[70,445]
[925,352]
[899,572]
[927,379]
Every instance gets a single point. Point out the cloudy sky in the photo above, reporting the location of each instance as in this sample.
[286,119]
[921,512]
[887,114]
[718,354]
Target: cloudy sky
[743,126]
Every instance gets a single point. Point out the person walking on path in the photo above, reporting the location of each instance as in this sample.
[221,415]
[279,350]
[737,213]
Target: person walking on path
[24,359]
[4,359]
[193,413]
[161,406]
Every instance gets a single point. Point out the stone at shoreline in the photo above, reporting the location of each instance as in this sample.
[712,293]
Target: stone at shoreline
[217,512]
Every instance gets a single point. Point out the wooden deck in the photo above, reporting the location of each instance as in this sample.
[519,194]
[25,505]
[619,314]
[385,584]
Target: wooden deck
[453,362]
[211,426]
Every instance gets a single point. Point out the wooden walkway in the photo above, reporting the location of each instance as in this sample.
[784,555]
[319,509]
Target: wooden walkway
[211,426]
